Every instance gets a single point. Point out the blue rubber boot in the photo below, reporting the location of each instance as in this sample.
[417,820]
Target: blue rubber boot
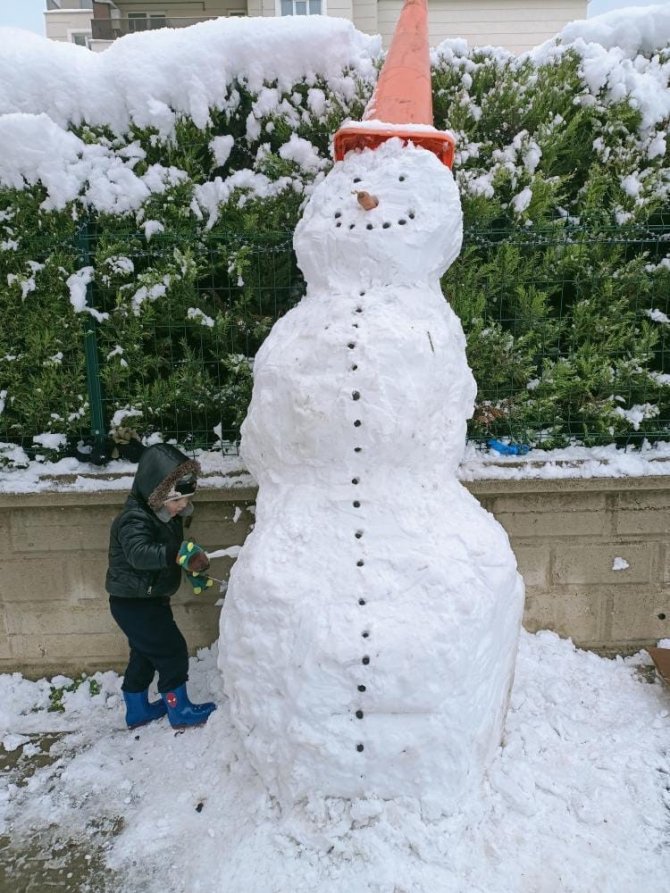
[139,710]
[181,712]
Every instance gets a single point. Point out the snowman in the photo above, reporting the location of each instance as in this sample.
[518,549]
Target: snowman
[370,629]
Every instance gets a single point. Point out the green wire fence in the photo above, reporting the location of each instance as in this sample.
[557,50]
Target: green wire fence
[567,331]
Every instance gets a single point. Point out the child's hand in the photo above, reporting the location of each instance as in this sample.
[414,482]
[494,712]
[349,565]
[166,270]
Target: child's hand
[192,557]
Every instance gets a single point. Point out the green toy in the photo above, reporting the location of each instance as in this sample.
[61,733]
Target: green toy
[194,561]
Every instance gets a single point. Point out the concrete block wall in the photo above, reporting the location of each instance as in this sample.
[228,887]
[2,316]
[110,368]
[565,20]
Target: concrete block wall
[54,616]
[566,536]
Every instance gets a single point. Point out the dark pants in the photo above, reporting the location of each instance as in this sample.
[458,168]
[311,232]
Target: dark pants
[156,643]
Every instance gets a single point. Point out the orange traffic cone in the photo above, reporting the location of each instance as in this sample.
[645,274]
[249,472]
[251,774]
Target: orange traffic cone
[403,95]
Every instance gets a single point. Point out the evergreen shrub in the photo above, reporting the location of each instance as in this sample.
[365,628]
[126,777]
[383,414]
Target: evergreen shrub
[563,285]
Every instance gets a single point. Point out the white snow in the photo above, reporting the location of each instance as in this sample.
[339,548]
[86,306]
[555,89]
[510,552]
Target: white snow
[199,316]
[221,147]
[658,316]
[611,47]
[633,29]
[521,201]
[50,441]
[70,475]
[620,564]
[635,415]
[151,227]
[150,79]
[575,801]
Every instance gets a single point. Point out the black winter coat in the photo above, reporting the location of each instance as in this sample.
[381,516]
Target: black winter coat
[142,548]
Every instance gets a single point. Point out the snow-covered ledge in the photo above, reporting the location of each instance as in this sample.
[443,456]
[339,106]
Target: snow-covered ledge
[593,552]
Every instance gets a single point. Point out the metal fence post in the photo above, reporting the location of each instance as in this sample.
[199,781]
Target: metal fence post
[91,343]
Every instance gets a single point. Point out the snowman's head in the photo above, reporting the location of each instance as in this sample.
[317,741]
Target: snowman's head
[410,236]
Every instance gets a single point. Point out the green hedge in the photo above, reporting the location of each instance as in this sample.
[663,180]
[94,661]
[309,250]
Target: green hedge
[562,285]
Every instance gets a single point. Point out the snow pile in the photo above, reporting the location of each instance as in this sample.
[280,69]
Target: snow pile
[576,799]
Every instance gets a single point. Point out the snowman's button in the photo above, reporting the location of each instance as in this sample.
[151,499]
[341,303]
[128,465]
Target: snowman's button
[401,177]
[365,634]
[355,480]
[351,345]
[354,367]
[357,449]
[361,601]
[359,714]
[360,563]
[358,534]
[357,423]
[338,214]
[411,215]
[360,748]
[356,504]
[362,688]
[359,310]
[356,395]
[366,660]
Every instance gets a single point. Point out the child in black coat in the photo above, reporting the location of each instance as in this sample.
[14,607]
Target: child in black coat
[143,574]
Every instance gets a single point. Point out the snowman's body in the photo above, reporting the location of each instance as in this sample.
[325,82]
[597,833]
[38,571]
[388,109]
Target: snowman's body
[371,623]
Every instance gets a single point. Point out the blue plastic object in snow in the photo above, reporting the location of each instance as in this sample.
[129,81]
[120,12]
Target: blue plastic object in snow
[508,449]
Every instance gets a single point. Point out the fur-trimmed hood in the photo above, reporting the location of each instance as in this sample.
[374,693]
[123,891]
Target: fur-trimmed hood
[159,469]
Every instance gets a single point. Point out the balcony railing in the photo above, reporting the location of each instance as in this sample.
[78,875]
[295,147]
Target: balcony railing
[110,29]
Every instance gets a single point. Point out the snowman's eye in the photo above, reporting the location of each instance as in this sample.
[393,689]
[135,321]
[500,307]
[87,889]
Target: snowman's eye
[338,214]
[401,178]
[357,179]
[411,215]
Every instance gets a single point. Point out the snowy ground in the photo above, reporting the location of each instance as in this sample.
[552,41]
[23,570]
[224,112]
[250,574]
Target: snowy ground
[578,799]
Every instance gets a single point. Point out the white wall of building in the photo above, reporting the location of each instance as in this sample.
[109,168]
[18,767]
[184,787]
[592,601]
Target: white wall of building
[517,25]
[63,24]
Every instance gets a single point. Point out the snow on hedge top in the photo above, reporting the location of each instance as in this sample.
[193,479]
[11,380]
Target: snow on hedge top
[618,51]
[635,30]
[149,79]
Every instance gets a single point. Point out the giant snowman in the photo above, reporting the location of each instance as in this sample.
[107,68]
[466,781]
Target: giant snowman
[369,633]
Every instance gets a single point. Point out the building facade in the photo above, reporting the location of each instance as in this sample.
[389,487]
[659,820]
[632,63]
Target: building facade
[517,25]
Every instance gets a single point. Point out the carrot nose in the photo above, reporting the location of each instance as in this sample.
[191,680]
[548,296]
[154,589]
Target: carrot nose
[367,201]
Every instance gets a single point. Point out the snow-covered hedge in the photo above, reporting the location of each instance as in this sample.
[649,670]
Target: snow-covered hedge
[167,174]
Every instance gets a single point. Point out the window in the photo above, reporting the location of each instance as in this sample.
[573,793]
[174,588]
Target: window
[143,21]
[300,7]
[80,38]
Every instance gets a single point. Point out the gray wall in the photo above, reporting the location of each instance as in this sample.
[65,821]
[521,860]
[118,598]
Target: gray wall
[566,534]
